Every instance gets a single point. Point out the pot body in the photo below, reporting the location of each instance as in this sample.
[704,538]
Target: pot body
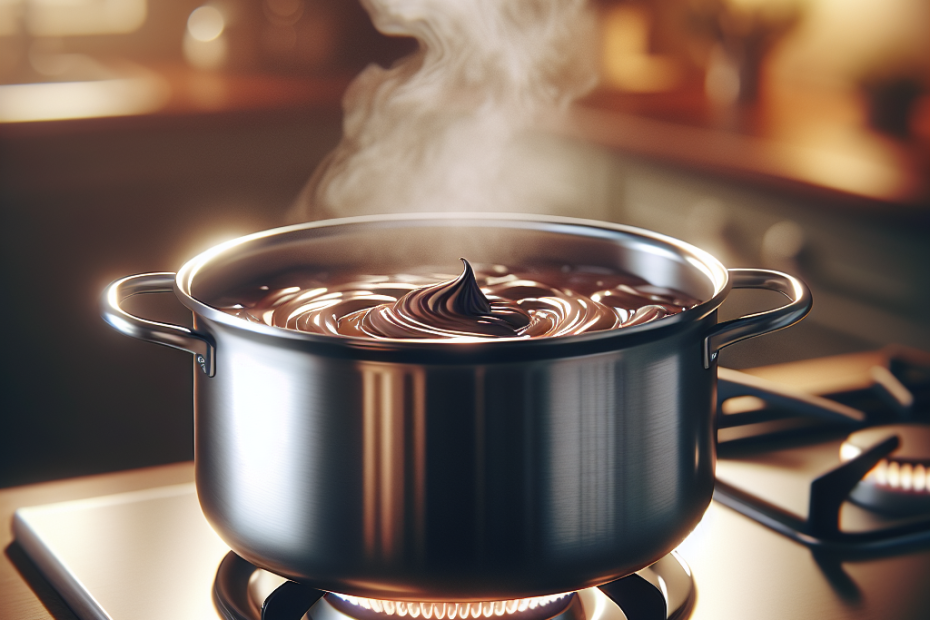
[437,471]
[476,481]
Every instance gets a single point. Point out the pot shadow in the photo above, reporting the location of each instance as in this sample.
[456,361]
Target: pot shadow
[39,585]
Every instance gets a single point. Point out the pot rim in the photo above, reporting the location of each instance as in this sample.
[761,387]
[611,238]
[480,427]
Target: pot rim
[703,261]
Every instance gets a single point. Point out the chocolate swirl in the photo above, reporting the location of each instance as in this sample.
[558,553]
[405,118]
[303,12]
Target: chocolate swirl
[451,309]
[498,304]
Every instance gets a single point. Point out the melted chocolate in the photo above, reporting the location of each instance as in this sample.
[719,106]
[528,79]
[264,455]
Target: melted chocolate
[447,310]
[495,304]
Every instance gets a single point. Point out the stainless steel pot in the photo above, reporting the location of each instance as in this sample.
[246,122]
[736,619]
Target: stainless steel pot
[442,471]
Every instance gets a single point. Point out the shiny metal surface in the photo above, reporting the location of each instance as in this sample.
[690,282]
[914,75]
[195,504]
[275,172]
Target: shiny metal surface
[731,332]
[175,336]
[457,482]
[483,471]
[144,555]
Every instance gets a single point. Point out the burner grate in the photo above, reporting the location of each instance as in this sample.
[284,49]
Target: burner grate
[899,382]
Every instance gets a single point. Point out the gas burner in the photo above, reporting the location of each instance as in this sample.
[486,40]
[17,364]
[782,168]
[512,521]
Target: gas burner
[532,608]
[663,591]
[898,484]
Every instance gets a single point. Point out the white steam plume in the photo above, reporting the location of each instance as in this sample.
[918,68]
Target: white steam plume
[434,132]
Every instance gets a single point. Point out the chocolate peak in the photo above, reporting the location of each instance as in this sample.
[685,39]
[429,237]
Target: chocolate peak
[463,295]
[448,309]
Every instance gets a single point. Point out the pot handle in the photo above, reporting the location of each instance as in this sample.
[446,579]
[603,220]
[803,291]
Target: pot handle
[176,336]
[751,325]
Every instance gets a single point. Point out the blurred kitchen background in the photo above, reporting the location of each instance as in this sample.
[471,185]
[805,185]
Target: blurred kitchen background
[791,134]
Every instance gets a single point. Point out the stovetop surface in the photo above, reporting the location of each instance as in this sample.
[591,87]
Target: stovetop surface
[140,555]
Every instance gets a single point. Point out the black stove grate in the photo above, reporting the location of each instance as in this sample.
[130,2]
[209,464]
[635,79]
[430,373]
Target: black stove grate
[899,392]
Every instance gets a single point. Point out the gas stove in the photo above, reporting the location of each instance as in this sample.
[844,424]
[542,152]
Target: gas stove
[819,512]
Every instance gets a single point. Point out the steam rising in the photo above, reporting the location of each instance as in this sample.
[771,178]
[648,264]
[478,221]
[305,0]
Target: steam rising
[438,130]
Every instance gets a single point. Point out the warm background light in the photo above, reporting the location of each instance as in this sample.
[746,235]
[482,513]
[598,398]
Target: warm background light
[205,46]
[88,99]
[57,18]
[205,23]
